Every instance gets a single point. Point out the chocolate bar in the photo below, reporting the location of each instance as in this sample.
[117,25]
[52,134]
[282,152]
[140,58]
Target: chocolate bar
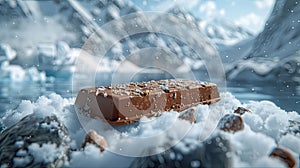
[127,103]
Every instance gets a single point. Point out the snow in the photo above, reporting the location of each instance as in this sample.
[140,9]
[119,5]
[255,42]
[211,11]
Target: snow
[250,146]
[269,162]
[21,161]
[46,153]
[291,142]
[264,129]
[274,53]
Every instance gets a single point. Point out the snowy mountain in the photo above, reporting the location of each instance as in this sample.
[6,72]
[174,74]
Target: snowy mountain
[281,35]
[221,32]
[29,23]
[275,51]
[48,22]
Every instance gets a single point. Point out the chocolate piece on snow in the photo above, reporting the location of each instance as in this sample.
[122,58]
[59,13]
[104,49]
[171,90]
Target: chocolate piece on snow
[127,103]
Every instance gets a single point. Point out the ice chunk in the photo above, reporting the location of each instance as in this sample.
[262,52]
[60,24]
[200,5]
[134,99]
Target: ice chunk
[14,72]
[17,73]
[6,53]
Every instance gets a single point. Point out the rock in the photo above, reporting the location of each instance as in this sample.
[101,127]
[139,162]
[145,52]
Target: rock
[284,156]
[34,142]
[93,138]
[214,152]
[188,115]
[242,110]
[294,127]
[231,123]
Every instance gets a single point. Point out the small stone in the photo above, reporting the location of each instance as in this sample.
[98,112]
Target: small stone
[188,115]
[231,123]
[284,156]
[294,127]
[241,110]
[93,138]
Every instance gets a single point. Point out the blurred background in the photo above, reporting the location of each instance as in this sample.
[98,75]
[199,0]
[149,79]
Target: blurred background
[258,42]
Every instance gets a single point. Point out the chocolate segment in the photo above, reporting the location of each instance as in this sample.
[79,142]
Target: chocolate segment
[126,103]
[285,156]
[94,138]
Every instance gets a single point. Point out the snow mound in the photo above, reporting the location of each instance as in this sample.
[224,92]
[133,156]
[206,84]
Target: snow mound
[265,128]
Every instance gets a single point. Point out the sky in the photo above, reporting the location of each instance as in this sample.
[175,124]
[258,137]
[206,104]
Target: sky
[250,14]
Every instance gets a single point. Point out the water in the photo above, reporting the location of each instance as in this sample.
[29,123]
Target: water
[286,96]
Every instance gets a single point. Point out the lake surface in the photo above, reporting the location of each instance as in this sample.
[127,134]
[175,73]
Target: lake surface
[284,95]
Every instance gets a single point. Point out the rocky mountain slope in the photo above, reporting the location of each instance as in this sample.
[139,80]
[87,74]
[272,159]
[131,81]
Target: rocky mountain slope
[221,32]
[275,51]
[281,35]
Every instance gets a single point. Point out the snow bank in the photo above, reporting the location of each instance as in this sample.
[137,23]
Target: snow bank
[265,128]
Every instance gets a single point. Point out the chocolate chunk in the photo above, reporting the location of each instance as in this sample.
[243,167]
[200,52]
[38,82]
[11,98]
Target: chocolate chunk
[284,156]
[231,123]
[127,103]
[241,110]
[93,138]
[188,115]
